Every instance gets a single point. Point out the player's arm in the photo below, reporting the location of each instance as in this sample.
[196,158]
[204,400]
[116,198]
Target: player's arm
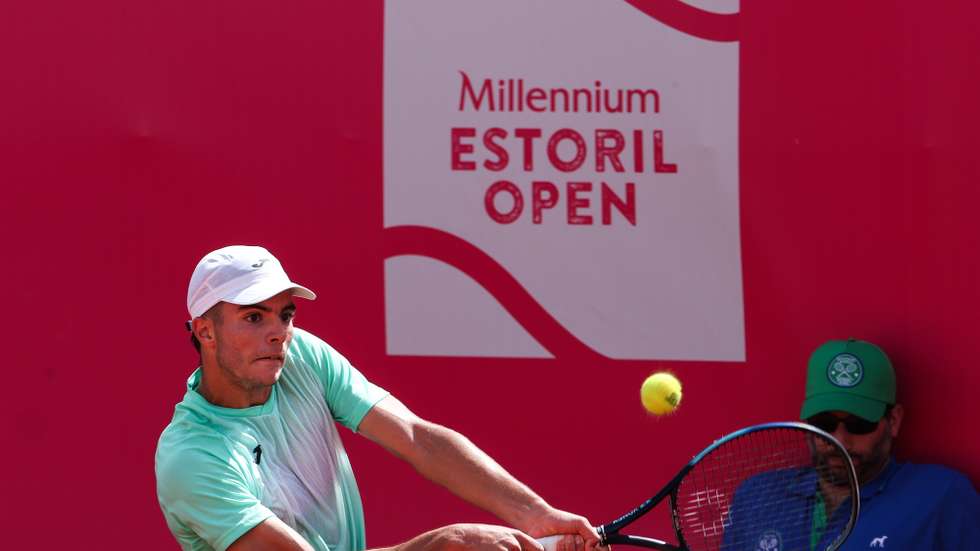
[451,460]
[271,534]
[469,537]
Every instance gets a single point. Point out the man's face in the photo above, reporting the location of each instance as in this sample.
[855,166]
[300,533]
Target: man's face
[869,452]
[251,341]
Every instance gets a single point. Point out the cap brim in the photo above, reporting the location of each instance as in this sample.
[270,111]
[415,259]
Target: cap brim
[255,294]
[866,408]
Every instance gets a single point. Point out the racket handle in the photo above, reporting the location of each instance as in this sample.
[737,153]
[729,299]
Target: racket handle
[550,543]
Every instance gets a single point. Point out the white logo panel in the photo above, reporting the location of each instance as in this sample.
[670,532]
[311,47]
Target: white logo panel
[583,152]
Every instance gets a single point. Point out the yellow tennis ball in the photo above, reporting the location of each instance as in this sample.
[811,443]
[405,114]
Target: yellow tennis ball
[661,393]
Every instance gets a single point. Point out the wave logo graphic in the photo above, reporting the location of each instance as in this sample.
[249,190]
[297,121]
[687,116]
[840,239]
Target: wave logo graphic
[561,179]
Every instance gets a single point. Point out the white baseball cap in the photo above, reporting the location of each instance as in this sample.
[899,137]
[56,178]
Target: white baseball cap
[238,274]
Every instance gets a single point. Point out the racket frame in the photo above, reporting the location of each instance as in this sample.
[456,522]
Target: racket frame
[609,532]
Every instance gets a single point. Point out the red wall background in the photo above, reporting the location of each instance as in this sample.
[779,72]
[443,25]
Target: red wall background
[136,136]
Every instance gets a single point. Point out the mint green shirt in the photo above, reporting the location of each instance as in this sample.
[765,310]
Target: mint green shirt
[213,484]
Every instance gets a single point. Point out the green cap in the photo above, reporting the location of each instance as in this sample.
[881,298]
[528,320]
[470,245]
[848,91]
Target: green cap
[853,376]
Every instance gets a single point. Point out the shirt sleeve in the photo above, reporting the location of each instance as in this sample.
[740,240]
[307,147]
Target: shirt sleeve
[960,516]
[732,536]
[349,394]
[209,495]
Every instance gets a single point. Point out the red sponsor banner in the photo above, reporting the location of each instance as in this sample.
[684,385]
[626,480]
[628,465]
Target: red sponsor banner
[136,136]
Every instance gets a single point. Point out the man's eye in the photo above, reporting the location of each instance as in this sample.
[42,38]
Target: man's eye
[288,316]
[253,317]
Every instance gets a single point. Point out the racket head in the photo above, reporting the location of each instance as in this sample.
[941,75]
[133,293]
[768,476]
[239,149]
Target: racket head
[761,488]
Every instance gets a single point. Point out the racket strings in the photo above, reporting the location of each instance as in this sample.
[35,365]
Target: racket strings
[759,492]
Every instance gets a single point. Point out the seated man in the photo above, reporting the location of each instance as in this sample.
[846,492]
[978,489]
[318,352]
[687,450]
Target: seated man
[252,458]
[850,393]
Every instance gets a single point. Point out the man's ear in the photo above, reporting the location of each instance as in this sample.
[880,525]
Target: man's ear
[895,419]
[203,329]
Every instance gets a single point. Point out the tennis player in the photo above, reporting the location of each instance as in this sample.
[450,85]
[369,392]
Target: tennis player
[252,458]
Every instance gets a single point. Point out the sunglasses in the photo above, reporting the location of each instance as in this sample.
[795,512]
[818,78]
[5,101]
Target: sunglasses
[828,422]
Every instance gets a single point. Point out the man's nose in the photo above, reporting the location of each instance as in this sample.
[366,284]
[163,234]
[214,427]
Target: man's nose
[841,434]
[279,331]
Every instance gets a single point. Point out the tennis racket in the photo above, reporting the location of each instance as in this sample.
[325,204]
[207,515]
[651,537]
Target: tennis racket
[771,487]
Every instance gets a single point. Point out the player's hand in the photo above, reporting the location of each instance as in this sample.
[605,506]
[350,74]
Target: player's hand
[577,532]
